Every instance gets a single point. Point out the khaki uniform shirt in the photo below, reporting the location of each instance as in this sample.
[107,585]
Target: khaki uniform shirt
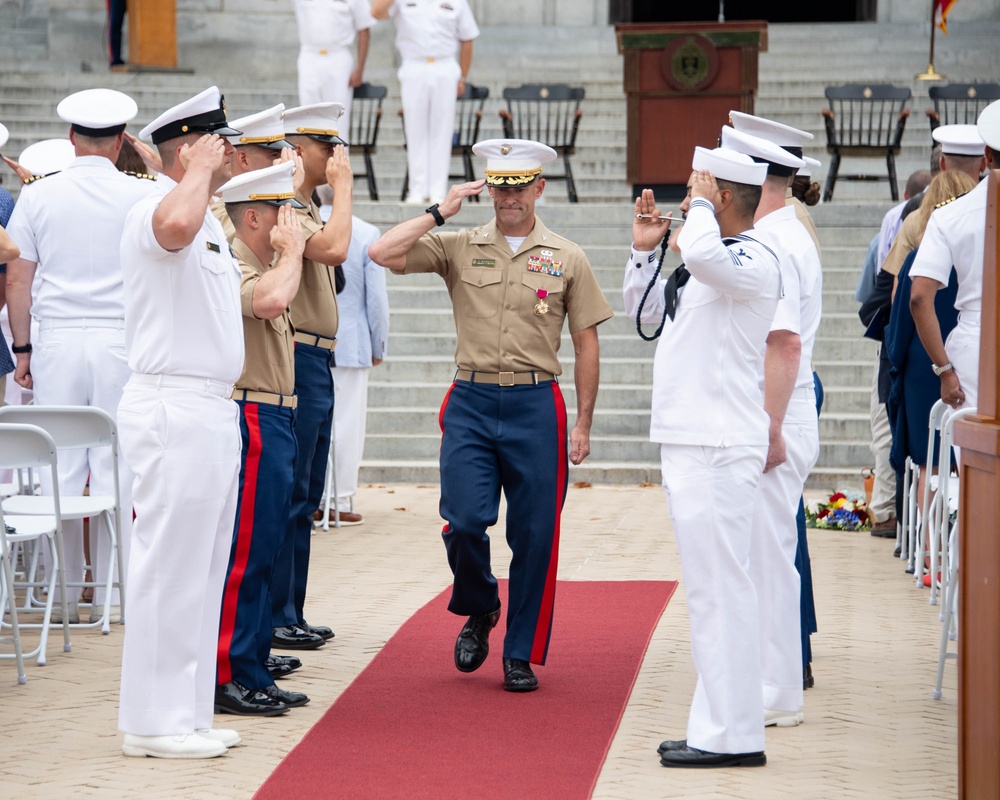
[314,309]
[270,361]
[905,243]
[802,215]
[494,295]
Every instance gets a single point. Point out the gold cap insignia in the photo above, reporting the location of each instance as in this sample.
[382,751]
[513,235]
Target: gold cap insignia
[505,149]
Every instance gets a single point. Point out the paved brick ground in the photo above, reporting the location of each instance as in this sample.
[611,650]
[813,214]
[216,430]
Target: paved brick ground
[872,729]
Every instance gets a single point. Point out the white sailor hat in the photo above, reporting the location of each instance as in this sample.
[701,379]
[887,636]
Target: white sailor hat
[203,113]
[4,135]
[47,156]
[319,121]
[513,162]
[729,165]
[786,136]
[959,140]
[989,125]
[806,171]
[271,185]
[779,161]
[97,112]
[264,129]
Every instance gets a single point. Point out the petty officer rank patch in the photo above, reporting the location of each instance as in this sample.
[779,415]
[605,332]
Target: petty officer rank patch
[545,265]
[484,262]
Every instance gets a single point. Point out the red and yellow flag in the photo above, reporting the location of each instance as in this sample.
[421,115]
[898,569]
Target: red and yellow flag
[941,9]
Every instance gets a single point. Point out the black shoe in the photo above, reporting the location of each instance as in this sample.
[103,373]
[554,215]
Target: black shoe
[288,699]
[671,744]
[280,666]
[517,676]
[692,757]
[321,631]
[807,677]
[898,551]
[293,637]
[235,698]
[473,643]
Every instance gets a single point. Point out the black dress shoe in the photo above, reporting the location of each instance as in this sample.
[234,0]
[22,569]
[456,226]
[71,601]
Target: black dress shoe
[517,676]
[281,666]
[807,677]
[235,698]
[293,637]
[321,631]
[289,699]
[473,643]
[671,744]
[692,757]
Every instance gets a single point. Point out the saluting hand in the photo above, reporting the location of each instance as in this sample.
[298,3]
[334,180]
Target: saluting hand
[338,170]
[703,185]
[299,173]
[21,172]
[456,194]
[208,153]
[150,157]
[648,232]
[287,237]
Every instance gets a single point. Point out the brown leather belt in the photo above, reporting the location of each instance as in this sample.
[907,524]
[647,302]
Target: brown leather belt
[504,378]
[267,398]
[315,341]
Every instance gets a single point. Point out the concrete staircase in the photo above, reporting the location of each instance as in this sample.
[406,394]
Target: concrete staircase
[405,392]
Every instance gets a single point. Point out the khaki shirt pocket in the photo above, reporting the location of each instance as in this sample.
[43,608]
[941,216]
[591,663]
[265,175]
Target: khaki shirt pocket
[479,292]
[278,343]
[554,299]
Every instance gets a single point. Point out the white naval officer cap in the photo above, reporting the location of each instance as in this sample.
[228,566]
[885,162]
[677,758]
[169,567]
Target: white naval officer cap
[778,160]
[319,121]
[810,164]
[47,156]
[271,185]
[203,113]
[729,165]
[513,162]
[4,134]
[988,125]
[264,129]
[97,112]
[782,135]
[959,140]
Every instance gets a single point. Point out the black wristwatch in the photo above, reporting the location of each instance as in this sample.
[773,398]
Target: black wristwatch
[19,349]
[433,211]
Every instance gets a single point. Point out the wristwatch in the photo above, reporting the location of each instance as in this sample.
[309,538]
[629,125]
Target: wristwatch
[942,369]
[433,211]
[19,349]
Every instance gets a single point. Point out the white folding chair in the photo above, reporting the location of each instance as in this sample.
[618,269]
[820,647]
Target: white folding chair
[906,531]
[949,613]
[330,489]
[28,447]
[930,518]
[77,428]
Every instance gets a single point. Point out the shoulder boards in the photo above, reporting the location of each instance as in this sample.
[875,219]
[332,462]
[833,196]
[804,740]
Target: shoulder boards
[950,200]
[135,174]
[35,178]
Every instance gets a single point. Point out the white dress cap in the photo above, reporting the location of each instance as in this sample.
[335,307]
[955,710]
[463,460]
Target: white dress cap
[4,135]
[513,162]
[265,129]
[271,185]
[47,156]
[781,135]
[203,113]
[959,140]
[989,125]
[97,112]
[320,121]
[729,165]
[806,171]
[760,149]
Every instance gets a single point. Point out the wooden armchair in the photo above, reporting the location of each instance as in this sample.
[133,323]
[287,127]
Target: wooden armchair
[960,103]
[366,114]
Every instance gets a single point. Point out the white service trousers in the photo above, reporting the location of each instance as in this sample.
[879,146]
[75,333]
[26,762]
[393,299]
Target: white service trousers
[75,363]
[350,414]
[774,537]
[326,79]
[962,348]
[710,491]
[883,503]
[184,447]
[428,97]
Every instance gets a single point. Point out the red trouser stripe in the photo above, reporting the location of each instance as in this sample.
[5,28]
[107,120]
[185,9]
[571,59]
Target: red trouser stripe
[540,644]
[444,405]
[244,536]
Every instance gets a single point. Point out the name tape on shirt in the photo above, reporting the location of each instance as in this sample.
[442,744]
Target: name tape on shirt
[545,265]
[484,262]
[213,247]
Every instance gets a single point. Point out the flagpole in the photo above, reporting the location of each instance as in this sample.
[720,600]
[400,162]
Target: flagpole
[931,74]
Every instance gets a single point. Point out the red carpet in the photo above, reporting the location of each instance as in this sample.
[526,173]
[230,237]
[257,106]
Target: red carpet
[412,726]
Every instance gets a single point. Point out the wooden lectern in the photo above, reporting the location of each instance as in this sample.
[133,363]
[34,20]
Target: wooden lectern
[681,81]
[979,546]
[152,34]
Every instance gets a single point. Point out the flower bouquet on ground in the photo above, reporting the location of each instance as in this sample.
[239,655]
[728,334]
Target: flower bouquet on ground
[844,511]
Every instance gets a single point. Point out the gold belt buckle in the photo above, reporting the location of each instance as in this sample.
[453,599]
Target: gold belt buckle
[430,59]
[506,379]
[322,52]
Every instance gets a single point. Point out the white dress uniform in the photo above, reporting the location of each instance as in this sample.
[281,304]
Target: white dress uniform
[428,33]
[774,531]
[327,32]
[180,434]
[69,224]
[709,419]
[362,335]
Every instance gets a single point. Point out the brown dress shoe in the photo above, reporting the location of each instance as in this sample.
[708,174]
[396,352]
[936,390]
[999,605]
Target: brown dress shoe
[886,529]
[347,518]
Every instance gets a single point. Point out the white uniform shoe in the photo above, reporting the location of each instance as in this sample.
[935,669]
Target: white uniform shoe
[782,719]
[184,745]
[114,614]
[226,736]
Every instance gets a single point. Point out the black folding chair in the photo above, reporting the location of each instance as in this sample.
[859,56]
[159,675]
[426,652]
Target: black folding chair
[548,113]
[960,103]
[468,116]
[366,114]
[865,121]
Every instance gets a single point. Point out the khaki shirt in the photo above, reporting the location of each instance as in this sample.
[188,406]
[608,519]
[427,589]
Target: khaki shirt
[218,209]
[314,309]
[906,242]
[802,215]
[270,362]
[494,295]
